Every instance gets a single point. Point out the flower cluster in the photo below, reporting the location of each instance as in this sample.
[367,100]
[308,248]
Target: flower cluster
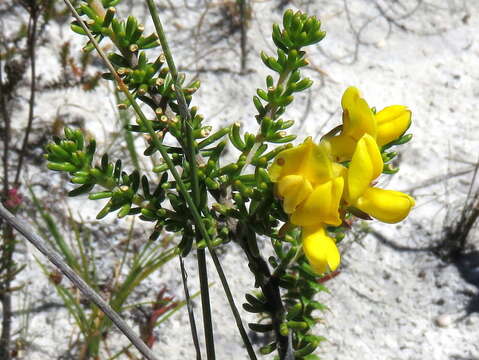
[321,183]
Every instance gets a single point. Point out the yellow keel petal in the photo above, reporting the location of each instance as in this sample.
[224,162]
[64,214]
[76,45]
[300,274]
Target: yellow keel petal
[388,206]
[320,250]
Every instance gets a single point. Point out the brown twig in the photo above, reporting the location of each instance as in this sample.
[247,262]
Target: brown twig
[84,288]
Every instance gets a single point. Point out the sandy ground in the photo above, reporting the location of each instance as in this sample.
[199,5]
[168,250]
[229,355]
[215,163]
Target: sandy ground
[386,302]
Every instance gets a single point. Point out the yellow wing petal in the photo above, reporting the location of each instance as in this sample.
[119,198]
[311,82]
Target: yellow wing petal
[366,165]
[358,118]
[294,189]
[385,205]
[392,122]
[341,147]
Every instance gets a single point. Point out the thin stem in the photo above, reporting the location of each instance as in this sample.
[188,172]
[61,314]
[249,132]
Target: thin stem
[189,306]
[32,31]
[130,141]
[6,134]
[85,289]
[191,155]
[242,9]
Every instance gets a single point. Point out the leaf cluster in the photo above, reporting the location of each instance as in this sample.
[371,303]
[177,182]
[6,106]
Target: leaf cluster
[235,203]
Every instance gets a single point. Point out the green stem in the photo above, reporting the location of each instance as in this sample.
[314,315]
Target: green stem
[270,113]
[191,155]
[130,141]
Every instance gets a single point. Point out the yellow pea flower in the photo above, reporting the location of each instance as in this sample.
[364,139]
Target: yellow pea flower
[320,249]
[392,122]
[298,171]
[366,165]
[385,126]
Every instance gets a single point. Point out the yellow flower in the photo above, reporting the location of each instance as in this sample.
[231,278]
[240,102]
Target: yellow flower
[308,183]
[366,165]
[392,122]
[358,119]
[320,249]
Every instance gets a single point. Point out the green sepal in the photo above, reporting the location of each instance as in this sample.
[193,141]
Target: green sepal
[81,190]
[306,350]
[118,60]
[75,27]
[125,210]
[214,137]
[294,311]
[280,138]
[79,180]
[67,167]
[260,327]
[100,195]
[252,309]
[266,126]
[104,212]
[389,169]
[109,15]
[263,94]
[235,137]
[268,349]
[297,325]
[131,26]
[185,245]
[259,106]
[271,63]
[402,140]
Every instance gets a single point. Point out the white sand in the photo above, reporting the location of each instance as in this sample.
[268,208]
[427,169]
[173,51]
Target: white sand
[385,302]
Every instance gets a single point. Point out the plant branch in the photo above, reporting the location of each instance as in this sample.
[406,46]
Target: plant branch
[191,155]
[85,289]
[189,307]
[32,32]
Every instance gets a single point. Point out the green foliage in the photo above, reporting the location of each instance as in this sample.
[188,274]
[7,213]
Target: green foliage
[234,202]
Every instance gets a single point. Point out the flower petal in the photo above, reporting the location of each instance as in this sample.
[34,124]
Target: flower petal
[322,206]
[341,147]
[388,206]
[294,189]
[366,165]
[308,159]
[320,250]
[358,118]
[392,122]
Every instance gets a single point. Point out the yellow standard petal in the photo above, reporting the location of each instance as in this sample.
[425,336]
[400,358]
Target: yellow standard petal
[358,119]
[388,206]
[308,159]
[293,189]
[366,165]
[322,206]
[392,122]
[320,250]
